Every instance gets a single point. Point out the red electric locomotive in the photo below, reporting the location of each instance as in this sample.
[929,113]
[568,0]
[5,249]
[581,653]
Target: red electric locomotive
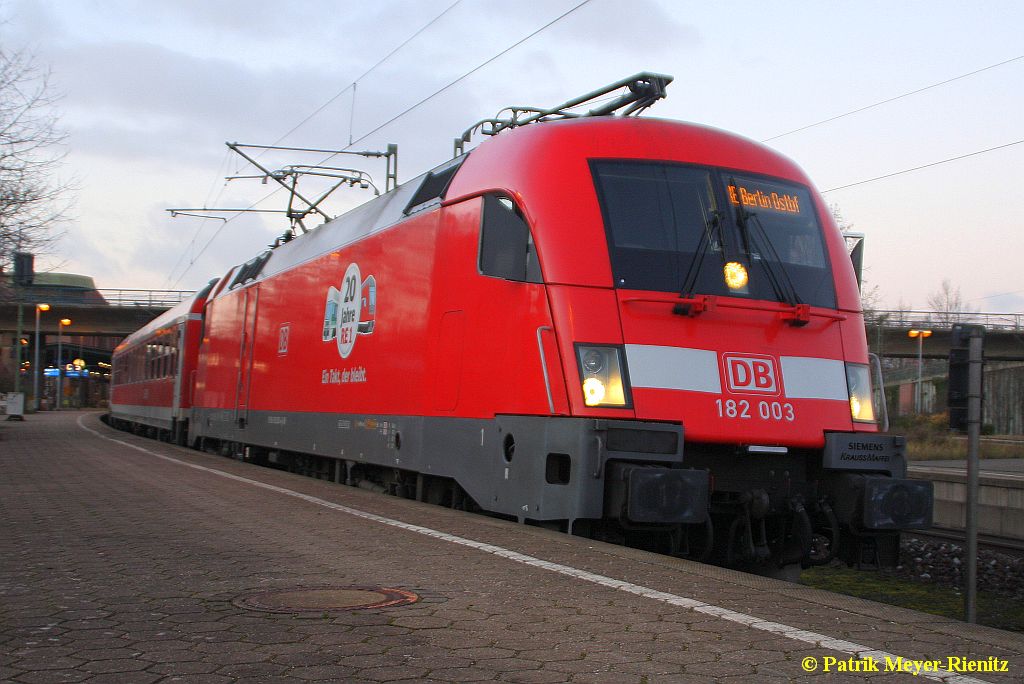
[636,329]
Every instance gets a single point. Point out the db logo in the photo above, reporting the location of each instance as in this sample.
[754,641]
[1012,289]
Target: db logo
[751,374]
[282,338]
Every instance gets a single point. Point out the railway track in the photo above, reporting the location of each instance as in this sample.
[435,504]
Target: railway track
[1007,545]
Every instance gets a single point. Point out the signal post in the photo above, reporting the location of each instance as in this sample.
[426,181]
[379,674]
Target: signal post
[966,362]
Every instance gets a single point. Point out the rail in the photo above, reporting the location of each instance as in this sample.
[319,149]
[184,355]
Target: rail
[944,320]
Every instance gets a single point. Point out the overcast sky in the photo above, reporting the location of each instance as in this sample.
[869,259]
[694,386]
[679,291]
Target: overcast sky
[152,90]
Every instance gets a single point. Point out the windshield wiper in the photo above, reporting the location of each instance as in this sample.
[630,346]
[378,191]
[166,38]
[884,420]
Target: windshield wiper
[714,223]
[779,280]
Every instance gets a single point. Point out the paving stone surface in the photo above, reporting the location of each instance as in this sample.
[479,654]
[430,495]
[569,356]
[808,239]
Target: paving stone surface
[117,565]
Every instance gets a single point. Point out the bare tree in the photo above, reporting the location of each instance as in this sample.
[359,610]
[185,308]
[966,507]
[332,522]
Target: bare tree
[33,202]
[871,305]
[947,304]
[837,215]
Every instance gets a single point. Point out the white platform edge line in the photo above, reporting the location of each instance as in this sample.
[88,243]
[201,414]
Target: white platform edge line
[813,638]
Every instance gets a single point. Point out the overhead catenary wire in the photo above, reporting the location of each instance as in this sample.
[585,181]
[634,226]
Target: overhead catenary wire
[294,128]
[394,118]
[224,165]
[893,99]
[352,85]
[923,166]
[469,73]
[464,76]
[218,232]
[457,80]
[995,296]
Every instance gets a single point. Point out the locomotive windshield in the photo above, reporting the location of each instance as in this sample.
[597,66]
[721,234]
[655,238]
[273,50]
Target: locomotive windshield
[673,228]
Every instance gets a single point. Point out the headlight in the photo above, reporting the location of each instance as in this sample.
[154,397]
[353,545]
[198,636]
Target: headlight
[593,391]
[602,376]
[735,275]
[593,361]
[858,381]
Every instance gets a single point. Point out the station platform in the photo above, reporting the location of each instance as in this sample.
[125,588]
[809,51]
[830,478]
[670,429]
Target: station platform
[128,560]
[985,465]
[1000,495]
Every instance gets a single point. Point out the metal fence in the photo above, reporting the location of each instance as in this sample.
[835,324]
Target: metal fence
[65,296]
[892,318]
[145,298]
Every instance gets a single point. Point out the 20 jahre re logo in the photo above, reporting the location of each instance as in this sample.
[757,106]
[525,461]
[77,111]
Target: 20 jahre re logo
[351,310]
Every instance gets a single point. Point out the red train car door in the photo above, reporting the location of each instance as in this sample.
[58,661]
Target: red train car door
[246,348]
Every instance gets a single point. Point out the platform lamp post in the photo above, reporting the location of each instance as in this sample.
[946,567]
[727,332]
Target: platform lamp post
[60,368]
[37,370]
[920,335]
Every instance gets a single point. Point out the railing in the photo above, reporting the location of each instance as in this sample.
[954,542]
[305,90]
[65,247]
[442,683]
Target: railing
[145,298]
[944,320]
[141,299]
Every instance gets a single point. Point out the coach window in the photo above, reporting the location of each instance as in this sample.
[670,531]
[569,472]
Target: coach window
[167,356]
[506,246]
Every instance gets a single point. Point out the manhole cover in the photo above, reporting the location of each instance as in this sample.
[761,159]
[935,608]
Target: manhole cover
[319,599]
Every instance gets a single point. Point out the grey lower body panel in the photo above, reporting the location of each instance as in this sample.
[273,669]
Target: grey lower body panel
[529,467]
[153,416]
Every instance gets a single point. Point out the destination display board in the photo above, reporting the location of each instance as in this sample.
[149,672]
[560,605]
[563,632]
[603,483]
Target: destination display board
[763,197]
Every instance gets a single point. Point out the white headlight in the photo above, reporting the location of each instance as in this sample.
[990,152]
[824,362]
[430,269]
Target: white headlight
[858,380]
[602,376]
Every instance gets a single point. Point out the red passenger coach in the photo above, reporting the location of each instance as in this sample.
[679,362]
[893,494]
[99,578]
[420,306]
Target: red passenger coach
[154,368]
[637,329]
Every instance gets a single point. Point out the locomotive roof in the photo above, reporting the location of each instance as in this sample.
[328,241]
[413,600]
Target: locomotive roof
[367,218]
[552,149]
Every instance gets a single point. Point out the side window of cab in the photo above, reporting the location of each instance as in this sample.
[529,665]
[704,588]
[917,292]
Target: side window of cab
[506,246]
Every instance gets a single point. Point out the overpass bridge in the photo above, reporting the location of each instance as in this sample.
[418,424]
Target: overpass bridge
[93,313]
[100,318]
[887,333]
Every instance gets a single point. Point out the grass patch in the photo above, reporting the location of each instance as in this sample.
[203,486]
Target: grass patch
[993,610]
[930,439]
